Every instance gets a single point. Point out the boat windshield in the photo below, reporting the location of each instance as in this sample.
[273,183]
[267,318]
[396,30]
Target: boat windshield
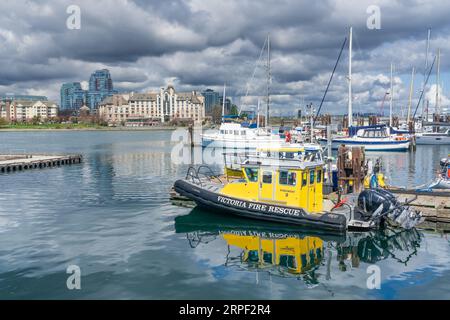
[375,133]
[252,174]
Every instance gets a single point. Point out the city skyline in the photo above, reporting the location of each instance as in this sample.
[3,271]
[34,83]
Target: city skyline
[194,46]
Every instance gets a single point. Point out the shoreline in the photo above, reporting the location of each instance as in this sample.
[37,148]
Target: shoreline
[89,129]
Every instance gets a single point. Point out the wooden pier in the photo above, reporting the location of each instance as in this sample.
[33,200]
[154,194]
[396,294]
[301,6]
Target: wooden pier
[13,163]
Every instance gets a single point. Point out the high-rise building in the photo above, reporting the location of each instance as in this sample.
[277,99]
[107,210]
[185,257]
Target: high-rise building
[100,87]
[227,104]
[211,100]
[73,97]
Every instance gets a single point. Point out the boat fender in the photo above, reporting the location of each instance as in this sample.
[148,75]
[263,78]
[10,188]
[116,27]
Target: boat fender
[340,203]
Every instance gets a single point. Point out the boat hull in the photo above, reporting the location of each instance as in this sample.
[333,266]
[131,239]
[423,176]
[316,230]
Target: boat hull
[369,146]
[432,140]
[242,144]
[258,210]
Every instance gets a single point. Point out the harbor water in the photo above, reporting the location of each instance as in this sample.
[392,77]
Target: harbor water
[111,216]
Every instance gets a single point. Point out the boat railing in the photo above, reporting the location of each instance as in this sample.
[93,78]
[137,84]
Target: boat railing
[196,175]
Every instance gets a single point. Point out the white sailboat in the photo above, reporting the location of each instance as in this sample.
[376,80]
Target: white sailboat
[442,135]
[235,135]
[372,138]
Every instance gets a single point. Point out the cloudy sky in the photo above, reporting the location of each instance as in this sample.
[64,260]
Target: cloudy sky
[196,44]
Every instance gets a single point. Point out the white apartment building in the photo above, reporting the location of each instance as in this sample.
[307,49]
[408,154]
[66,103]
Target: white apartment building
[162,106]
[23,110]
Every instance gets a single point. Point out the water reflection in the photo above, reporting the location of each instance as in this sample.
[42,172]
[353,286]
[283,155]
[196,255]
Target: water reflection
[285,251]
[398,245]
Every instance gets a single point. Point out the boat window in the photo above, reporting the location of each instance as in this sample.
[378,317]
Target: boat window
[236,132]
[252,174]
[289,155]
[267,177]
[311,176]
[222,131]
[288,261]
[304,260]
[283,177]
[304,179]
[253,256]
[288,178]
[292,178]
[243,133]
[319,176]
[267,257]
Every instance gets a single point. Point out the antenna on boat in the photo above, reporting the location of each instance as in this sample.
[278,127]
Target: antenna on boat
[410,96]
[391,96]
[350,111]
[268,81]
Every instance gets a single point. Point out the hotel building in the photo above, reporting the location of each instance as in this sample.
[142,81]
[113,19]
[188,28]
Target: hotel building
[146,108]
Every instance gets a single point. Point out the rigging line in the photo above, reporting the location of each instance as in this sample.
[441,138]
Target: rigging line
[254,72]
[426,81]
[329,81]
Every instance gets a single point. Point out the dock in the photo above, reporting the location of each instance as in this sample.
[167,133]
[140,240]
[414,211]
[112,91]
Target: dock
[19,162]
[434,205]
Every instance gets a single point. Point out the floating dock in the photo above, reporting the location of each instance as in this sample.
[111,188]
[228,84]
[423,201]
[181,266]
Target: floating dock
[434,205]
[14,163]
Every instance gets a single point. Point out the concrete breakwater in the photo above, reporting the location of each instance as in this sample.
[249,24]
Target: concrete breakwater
[19,162]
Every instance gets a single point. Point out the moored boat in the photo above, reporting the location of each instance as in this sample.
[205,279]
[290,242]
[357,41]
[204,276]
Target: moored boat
[291,192]
[433,138]
[236,136]
[372,138]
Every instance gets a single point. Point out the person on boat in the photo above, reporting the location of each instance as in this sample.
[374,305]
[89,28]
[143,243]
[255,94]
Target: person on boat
[288,136]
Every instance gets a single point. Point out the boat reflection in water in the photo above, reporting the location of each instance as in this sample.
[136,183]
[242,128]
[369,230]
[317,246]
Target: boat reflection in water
[292,252]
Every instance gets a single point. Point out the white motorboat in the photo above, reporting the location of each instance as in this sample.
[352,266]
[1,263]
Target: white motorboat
[433,138]
[372,138]
[235,136]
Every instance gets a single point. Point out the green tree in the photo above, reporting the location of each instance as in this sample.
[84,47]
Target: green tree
[216,114]
[234,110]
[3,122]
[36,120]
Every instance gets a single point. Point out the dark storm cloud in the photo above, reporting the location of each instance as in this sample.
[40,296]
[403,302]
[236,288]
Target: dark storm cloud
[197,44]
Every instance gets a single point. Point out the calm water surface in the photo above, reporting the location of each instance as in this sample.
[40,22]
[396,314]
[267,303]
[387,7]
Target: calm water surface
[111,216]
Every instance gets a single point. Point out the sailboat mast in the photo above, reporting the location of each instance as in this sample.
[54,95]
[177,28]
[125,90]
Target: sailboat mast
[350,110]
[410,95]
[268,81]
[426,68]
[438,81]
[257,115]
[391,96]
